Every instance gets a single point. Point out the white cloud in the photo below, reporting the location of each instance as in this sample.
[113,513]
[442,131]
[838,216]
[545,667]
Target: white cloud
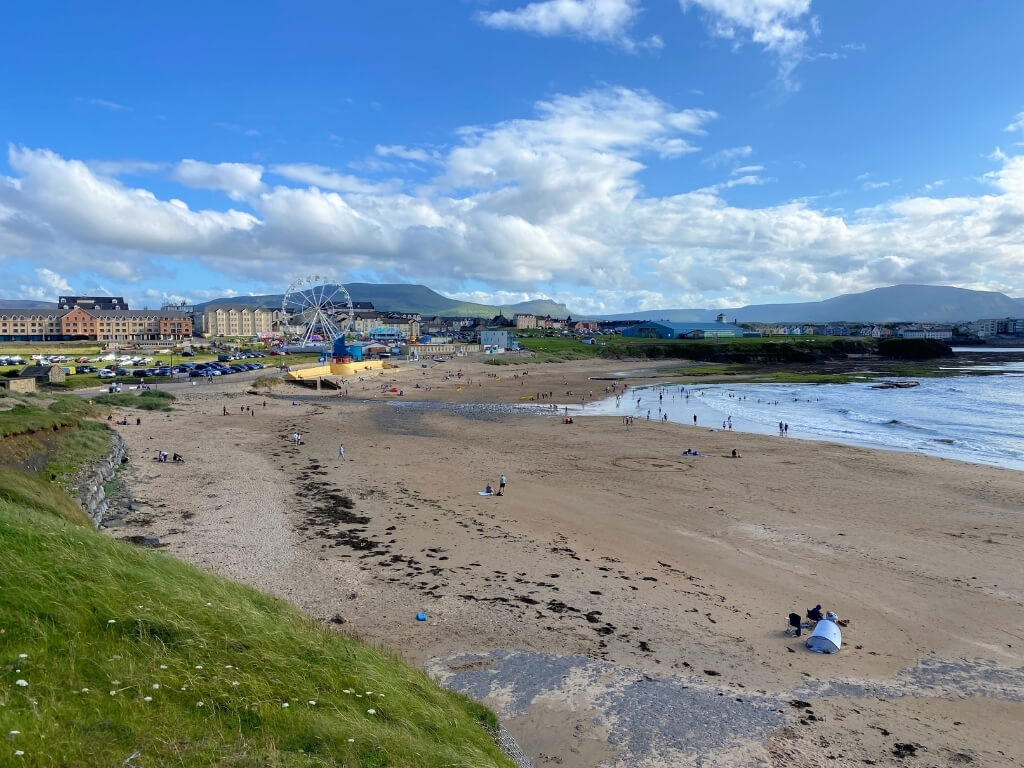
[326,178]
[548,204]
[125,167]
[606,21]
[238,180]
[1017,124]
[65,199]
[728,156]
[113,106]
[407,153]
[870,186]
[779,26]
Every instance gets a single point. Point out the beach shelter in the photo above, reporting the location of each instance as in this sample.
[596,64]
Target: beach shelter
[826,637]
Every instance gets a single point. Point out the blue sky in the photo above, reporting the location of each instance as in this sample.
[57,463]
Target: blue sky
[611,154]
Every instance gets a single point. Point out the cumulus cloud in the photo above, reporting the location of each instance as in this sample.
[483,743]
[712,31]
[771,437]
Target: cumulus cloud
[728,156]
[779,26]
[547,204]
[238,180]
[326,178]
[1017,124]
[605,21]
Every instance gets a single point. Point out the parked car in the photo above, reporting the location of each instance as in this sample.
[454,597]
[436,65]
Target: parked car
[85,369]
[105,374]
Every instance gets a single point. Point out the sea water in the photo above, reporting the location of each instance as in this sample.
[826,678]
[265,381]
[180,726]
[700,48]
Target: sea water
[970,418]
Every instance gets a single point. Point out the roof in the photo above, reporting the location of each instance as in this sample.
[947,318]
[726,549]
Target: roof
[169,313]
[33,371]
[43,312]
[238,308]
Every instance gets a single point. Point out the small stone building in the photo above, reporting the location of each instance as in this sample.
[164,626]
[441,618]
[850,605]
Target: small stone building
[43,374]
[17,384]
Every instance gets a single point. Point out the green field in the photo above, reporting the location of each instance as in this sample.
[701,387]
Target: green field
[111,655]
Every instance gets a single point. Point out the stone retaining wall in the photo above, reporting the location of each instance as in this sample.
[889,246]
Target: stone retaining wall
[89,489]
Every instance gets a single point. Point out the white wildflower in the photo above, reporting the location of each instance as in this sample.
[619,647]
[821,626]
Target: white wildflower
[234,682]
[156,686]
[351,741]
[312,703]
[369,693]
[13,733]
[347,690]
[113,693]
[147,698]
[371,711]
[163,666]
[22,682]
[19,752]
[228,666]
[111,621]
[85,690]
[200,704]
[115,682]
[209,605]
[22,655]
[199,666]
[359,695]
[285,705]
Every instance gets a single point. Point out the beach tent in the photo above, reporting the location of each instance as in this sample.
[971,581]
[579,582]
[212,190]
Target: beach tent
[826,637]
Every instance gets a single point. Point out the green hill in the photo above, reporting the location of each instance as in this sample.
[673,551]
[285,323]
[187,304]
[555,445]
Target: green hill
[113,655]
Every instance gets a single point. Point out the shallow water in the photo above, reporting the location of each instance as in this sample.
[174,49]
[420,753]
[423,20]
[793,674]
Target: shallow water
[968,418]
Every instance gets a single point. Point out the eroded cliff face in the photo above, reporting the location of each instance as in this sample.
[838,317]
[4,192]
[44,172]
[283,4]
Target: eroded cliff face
[31,451]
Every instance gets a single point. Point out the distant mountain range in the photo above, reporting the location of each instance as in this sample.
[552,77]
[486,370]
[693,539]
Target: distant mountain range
[399,297]
[894,304]
[897,303]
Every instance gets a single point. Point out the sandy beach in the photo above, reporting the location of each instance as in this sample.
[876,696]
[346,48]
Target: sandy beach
[622,604]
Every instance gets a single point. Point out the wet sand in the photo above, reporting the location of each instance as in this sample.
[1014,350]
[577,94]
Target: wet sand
[621,605]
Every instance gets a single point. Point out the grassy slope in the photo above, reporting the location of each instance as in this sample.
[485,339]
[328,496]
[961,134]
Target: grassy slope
[101,623]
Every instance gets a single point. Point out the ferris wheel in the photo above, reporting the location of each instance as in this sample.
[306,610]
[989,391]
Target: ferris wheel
[316,309]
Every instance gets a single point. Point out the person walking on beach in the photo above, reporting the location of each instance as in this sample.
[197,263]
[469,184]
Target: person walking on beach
[501,485]
[341,452]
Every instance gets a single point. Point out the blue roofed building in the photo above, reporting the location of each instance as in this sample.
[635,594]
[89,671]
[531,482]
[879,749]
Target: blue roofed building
[656,329]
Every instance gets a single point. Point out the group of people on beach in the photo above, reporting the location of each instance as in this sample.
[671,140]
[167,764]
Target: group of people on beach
[489,491]
[161,456]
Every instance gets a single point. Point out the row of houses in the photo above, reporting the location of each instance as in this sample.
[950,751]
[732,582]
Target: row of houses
[525,321]
[87,318]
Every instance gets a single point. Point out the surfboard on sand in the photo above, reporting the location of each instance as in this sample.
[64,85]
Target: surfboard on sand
[485,493]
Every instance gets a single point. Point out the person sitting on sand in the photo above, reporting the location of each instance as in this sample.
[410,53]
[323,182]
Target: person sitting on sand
[814,614]
[736,454]
[488,490]
[178,458]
